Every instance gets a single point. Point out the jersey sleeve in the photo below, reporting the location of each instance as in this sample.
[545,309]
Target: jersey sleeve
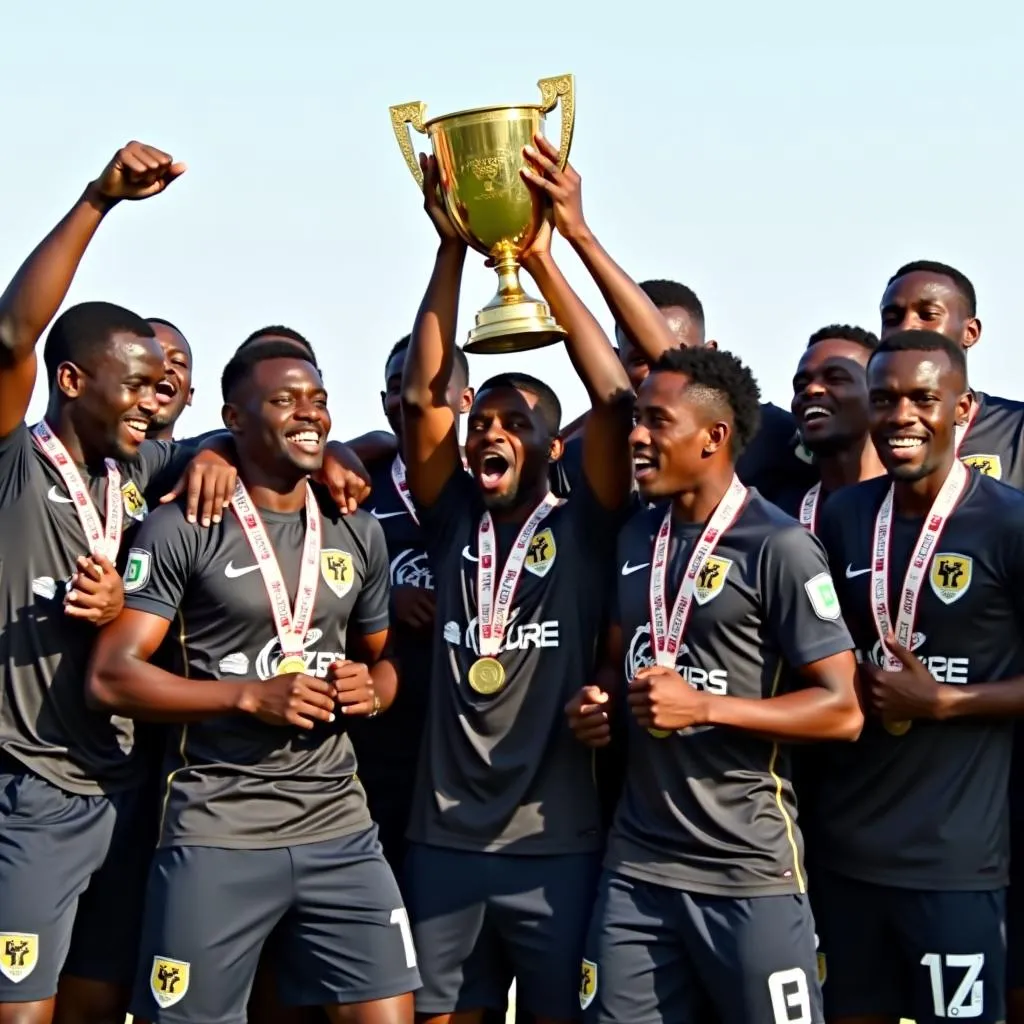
[160,562]
[442,520]
[800,603]
[16,457]
[372,609]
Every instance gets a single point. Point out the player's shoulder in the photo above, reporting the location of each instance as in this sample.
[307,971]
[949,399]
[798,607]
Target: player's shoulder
[361,527]
[762,523]
[855,499]
[169,520]
[994,405]
[999,500]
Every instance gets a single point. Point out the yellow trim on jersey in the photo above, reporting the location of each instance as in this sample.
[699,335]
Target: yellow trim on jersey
[777,779]
[182,638]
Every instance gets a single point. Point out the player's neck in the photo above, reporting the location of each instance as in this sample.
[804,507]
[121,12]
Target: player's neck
[916,497]
[850,466]
[58,416]
[270,492]
[698,504]
[522,509]
[161,433]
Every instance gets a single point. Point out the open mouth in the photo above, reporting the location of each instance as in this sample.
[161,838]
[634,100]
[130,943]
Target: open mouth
[493,469]
[645,465]
[815,414]
[307,441]
[904,446]
[166,391]
[136,427]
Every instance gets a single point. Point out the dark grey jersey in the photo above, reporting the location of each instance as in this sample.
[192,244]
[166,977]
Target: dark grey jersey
[503,772]
[235,782]
[928,809]
[44,722]
[388,746]
[710,809]
[994,445]
[775,461]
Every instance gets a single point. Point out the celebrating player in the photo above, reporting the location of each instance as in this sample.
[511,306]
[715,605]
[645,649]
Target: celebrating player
[731,644]
[505,827]
[830,405]
[263,814]
[929,560]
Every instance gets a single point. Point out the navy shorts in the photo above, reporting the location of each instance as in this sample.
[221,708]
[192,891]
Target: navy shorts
[657,955]
[72,875]
[481,919]
[926,955]
[340,930]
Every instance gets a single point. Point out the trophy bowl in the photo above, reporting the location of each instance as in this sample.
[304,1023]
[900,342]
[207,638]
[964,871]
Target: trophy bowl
[480,154]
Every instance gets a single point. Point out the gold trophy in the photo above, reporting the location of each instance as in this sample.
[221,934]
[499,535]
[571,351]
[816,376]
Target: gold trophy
[479,155]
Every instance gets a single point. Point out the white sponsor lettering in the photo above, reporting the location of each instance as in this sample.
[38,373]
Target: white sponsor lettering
[943,669]
[317,662]
[640,655]
[411,568]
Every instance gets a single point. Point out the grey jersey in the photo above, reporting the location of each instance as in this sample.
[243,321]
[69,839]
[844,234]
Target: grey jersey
[503,772]
[234,781]
[44,722]
[711,809]
[994,445]
[928,810]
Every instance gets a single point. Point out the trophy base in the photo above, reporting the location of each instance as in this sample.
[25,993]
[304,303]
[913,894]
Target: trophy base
[513,327]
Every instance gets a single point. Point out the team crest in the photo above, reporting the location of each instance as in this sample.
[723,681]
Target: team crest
[986,465]
[950,576]
[711,579]
[337,569]
[136,572]
[134,503]
[19,954]
[821,592]
[541,555]
[168,981]
[588,983]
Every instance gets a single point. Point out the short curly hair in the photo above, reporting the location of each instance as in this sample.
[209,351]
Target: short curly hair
[844,332]
[721,380]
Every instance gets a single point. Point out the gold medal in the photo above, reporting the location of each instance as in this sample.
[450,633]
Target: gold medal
[894,727]
[660,734]
[294,663]
[487,676]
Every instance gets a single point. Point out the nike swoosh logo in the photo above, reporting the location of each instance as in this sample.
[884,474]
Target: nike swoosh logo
[62,499]
[467,555]
[232,573]
[628,570]
[386,515]
[851,572]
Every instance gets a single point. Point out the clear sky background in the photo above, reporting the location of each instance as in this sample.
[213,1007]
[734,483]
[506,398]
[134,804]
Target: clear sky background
[783,160]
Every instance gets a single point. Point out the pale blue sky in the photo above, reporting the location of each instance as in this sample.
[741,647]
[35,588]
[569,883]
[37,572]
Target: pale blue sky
[781,160]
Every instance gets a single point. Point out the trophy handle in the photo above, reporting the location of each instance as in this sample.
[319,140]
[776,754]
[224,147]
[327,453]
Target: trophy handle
[403,116]
[551,90]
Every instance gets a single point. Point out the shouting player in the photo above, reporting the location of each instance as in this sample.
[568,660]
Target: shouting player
[263,818]
[505,828]
[731,644]
[929,560]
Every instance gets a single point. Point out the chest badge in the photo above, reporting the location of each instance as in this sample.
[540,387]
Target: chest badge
[986,465]
[950,576]
[541,556]
[711,579]
[134,503]
[337,569]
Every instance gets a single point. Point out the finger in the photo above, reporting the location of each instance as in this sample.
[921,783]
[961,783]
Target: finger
[84,614]
[88,570]
[905,658]
[595,711]
[315,684]
[302,717]
[224,490]
[641,682]
[320,700]
[537,181]
[593,735]
[595,695]
[155,157]
[177,491]
[543,163]
[131,165]
[175,171]
[86,585]
[363,707]
[209,494]
[104,564]
[546,146]
[354,693]
[638,700]
[194,487]
[90,598]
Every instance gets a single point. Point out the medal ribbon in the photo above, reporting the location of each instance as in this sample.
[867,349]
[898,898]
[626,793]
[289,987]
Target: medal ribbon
[945,501]
[398,479]
[667,634]
[809,507]
[291,625]
[493,612]
[104,541]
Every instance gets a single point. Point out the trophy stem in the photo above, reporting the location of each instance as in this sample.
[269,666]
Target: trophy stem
[509,288]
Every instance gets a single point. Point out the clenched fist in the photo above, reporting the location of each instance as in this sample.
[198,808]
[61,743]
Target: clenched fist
[137,171]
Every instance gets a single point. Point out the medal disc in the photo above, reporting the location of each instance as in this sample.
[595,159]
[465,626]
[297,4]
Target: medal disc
[487,676]
[295,663]
[896,728]
[660,734]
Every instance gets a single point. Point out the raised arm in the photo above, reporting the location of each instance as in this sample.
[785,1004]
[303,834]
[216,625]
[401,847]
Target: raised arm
[633,311]
[430,438]
[607,465]
[38,288]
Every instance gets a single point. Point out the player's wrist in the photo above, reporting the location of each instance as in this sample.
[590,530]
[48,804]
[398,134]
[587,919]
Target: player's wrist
[948,702]
[246,701]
